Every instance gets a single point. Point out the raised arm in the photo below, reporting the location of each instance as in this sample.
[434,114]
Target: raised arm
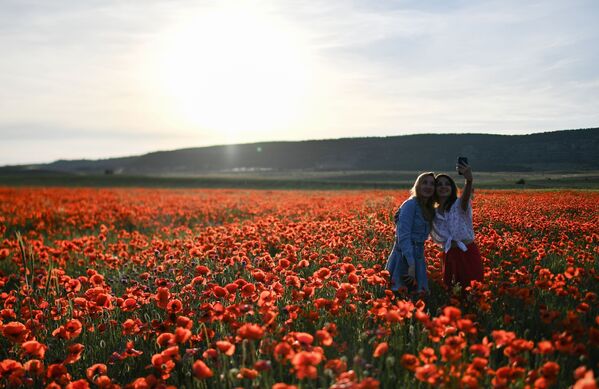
[466,171]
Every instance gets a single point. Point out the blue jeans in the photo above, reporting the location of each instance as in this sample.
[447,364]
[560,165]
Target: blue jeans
[397,265]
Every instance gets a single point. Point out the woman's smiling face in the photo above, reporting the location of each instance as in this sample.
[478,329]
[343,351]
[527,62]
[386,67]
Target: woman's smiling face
[443,187]
[426,188]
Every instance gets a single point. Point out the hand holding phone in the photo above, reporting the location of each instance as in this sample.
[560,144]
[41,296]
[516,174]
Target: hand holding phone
[462,162]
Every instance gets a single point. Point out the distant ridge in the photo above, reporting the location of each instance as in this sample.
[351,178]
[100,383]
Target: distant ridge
[568,150]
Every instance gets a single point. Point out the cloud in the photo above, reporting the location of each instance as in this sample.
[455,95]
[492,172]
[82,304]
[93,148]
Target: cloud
[484,66]
[78,71]
[34,143]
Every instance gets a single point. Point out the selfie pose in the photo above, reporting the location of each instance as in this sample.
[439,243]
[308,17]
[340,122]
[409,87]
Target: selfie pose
[406,263]
[452,229]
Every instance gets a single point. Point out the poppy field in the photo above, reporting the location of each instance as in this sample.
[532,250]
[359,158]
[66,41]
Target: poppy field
[216,288]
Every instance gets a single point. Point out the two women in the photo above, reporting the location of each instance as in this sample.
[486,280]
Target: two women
[434,208]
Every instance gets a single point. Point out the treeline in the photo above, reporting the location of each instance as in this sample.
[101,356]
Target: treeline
[569,150]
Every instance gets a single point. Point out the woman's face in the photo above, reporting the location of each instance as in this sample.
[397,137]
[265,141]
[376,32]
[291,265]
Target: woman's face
[443,187]
[427,187]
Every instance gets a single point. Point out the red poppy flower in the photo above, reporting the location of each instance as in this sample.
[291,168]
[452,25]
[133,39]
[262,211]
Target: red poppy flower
[304,363]
[75,351]
[409,362]
[247,373]
[283,350]
[166,339]
[250,331]
[324,337]
[428,373]
[174,306]
[34,367]
[304,338]
[369,383]
[380,350]
[550,370]
[225,347]
[4,253]
[70,330]
[427,355]
[79,384]
[34,349]
[15,332]
[184,322]
[219,291]
[96,370]
[200,370]
[281,385]
[248,290]
[162,297]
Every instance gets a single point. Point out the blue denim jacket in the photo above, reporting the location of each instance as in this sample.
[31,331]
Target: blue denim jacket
[411,229]
[408,250]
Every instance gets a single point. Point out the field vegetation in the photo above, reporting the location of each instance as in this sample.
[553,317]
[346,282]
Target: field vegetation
[230,288]
[296,179]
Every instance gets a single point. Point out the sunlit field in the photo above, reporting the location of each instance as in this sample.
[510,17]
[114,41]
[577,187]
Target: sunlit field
[219,288]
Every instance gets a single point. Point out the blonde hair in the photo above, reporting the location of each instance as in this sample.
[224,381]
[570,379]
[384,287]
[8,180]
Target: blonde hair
[427,205]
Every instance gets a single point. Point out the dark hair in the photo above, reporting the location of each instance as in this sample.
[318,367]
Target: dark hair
[452,197]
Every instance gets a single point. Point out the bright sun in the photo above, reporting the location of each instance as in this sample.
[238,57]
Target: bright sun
[236,71]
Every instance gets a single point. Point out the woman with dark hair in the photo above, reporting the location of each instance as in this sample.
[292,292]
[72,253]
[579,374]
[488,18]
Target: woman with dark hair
[406,264]
[452,229]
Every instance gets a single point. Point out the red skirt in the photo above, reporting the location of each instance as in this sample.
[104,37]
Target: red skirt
[462,266]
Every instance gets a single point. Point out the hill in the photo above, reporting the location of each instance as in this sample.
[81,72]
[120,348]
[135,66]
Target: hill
[568,150]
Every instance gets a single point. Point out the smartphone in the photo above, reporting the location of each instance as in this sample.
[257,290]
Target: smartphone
[462,161]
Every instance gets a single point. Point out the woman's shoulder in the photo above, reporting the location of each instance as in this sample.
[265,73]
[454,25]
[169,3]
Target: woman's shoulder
[411,202]
[407,207]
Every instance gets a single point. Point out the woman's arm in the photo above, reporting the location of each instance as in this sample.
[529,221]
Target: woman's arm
[404,230]
[466,171]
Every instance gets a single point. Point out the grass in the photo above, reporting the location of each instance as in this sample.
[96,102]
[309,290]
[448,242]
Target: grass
[305,180]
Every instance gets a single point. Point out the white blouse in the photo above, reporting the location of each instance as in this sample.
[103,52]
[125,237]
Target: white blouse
[454,225]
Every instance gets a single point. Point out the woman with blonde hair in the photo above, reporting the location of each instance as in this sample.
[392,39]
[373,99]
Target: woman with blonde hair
[406,264]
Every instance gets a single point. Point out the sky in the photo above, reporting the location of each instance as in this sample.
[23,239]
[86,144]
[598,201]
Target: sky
[104,78]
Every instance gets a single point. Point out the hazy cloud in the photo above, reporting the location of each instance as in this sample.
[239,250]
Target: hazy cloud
[75,74]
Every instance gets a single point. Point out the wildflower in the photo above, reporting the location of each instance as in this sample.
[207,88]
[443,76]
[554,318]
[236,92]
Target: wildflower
[247,373]
[75,351]
[15,332]
[200,370]
[550,370]
[162,297]
[166,339]
[96,370]
[324,337]
[380,350]
[225,347]
[305,363]
[428,373]
[34,349]
[70,330]
[427,355]
[304,338]
[409,361]
[174,306]
[281,385]
[250,331]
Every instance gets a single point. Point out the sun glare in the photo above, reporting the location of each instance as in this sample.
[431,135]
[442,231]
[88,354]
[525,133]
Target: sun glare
[236,71]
